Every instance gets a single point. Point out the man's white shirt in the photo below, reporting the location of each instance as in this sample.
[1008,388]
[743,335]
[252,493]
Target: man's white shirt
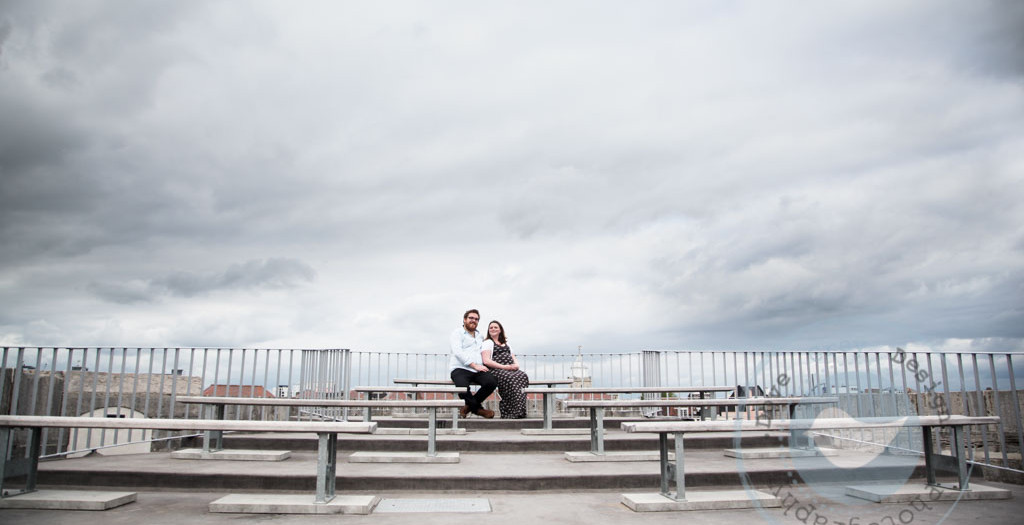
[465,349]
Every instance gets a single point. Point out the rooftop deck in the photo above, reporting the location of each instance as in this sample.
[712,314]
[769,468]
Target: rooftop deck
[519,477]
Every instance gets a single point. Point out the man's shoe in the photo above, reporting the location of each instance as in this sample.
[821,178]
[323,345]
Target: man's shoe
[483,412]
[463,411]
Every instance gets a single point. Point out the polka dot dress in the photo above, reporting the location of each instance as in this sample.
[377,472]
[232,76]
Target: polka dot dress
[510,385]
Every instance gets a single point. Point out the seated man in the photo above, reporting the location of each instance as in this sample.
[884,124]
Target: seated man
[467,367]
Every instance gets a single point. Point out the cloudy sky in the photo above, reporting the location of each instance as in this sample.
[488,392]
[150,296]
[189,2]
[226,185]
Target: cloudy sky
[616,175]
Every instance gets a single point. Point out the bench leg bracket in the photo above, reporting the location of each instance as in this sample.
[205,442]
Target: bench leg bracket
[597,431]
[432,433]
[672,471]
[326,466]
[547,401]
[213,440]
[12,467]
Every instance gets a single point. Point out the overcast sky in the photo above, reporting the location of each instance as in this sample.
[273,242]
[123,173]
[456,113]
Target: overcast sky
[616,175]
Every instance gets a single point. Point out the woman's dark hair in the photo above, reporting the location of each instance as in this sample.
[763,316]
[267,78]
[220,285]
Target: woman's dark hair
[501,333]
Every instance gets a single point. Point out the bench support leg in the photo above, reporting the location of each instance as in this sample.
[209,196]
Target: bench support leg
[326,466]
[597,431]
[33,459]
[547,410]
[961,461]
[959,454]
[929,459]
[366,414]
[672,471]
[663,461]
[432,432]
[5,449]
[11,466]
[213,440]
[680,472]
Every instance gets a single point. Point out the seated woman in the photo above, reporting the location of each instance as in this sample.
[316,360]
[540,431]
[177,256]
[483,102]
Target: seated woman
[498,357]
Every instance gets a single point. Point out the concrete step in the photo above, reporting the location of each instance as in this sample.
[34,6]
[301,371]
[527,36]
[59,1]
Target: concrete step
[474,472]
[479,423]
[503,441]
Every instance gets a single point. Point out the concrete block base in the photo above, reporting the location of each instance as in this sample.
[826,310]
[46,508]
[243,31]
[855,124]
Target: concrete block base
[925,493]
[778,452]
[232,455]
[555,431]
[702,500]
[292,504]
[440,432]
[403,457]
[590,457]
[68,500]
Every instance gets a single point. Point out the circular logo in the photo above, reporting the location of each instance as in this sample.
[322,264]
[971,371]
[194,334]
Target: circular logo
[832,476]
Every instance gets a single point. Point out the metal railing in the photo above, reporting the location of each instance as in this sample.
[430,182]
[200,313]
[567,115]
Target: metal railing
[146,382]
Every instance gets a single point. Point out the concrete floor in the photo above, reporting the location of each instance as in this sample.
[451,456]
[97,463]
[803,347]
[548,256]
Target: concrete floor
[558,490]
[519,508]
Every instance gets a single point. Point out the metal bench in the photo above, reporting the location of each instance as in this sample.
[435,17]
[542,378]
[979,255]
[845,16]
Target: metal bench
[327,434]
[674,472]
[417,382]
[597,407]
[549,393]
[416,391]
[214,438]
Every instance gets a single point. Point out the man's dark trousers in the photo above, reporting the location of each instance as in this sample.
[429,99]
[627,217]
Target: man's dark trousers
[463,378]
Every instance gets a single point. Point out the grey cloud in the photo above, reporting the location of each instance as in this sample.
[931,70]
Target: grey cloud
[5,31]
[266,273]
[768,174]
[42,138]
[999,43]
[123,292]
[262,274]
[933,259]
[61,78]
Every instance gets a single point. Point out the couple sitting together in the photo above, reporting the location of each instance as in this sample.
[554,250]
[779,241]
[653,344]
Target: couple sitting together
[487,360]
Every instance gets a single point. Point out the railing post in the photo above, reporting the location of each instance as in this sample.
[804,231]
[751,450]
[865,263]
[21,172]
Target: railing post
[346,378]
[651,363]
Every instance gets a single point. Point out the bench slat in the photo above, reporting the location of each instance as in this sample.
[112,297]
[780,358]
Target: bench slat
[186,424]
[349,403]
[749,401]
[449,381]
[629,390]
[412,389]
[805,424]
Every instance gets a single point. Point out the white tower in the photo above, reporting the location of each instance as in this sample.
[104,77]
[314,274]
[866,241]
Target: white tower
[580,372]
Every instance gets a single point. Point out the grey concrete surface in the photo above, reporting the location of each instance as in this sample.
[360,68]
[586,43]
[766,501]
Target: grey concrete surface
[521,487]
[68,500]
[231,455]
[398,431]
[777,452]
[921,492]
[403,457]
[485,471]
[653,455]
[701,500]
[517,508]
[292,504]
[499,438]
[555,431]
